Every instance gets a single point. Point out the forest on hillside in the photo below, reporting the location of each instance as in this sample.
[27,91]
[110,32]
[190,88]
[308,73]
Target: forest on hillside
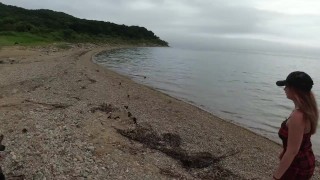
[58,26]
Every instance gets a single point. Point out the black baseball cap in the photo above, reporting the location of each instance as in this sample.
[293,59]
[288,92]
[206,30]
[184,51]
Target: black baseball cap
[297,79]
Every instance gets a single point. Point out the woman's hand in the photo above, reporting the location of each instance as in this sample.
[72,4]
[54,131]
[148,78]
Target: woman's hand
[274,178]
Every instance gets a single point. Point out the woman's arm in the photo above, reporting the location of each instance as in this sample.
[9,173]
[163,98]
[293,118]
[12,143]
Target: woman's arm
[296,126]
[281,154]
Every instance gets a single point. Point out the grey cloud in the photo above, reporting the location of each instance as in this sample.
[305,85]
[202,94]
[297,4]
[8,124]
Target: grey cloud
[188,20]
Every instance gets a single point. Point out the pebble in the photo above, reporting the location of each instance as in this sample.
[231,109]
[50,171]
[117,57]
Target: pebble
[14,91]
[91,148]
[13,156]
[79,158]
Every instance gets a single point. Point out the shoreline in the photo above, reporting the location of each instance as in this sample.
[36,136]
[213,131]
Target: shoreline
[273,136]
[184,100]
[187,102]
[95,123]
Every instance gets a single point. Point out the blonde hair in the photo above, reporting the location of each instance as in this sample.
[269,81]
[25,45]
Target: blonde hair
[308,105]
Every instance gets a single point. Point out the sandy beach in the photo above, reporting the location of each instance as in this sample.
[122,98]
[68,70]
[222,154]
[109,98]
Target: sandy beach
[65,117]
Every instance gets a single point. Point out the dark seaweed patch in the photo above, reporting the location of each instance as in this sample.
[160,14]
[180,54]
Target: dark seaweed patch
[200,164]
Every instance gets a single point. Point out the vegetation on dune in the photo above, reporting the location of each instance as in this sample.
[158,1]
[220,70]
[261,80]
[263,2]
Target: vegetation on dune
[18,25]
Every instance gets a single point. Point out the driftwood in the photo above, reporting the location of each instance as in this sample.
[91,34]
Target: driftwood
[2,148]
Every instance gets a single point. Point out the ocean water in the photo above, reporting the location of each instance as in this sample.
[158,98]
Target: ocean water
[237,86]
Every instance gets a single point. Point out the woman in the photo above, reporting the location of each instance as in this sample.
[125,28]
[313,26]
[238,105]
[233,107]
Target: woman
[297,160]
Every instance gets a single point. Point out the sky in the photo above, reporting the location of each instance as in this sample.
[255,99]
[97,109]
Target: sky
[276,25]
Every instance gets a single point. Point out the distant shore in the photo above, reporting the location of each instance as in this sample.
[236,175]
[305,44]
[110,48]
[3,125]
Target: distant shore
[65,117]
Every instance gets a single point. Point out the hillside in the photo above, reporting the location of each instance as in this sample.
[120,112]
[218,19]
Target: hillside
[18,25]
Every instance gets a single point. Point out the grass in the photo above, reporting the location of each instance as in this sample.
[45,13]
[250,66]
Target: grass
[29,39]
[14,38]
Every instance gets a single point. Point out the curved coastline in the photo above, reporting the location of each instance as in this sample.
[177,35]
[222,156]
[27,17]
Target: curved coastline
[215,117]
[104,125]
[200,107]
[185,100]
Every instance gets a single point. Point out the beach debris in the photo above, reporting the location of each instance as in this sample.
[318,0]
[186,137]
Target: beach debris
[59,106]
[24,130]
[129,114]
[104,107]
[53,106]
[134,119]
[109,116]
[2,177]
[11,60]
[35,87]
[173,140]
[90,79]
[171,173]
[19,177]
[77,98]
[119,83]
[128,96]
[2,147]
[203,164]
[126,107]
[170,145]
[11,176]
[8,61]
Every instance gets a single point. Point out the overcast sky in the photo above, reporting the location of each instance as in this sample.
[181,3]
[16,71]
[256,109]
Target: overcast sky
[204,23]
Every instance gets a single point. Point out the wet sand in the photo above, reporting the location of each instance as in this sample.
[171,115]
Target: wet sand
[64,117]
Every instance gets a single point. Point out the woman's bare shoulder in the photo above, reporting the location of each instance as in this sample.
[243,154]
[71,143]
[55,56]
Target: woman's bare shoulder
[296,118]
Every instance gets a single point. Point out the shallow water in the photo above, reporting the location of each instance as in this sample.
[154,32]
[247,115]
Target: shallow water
[237,86]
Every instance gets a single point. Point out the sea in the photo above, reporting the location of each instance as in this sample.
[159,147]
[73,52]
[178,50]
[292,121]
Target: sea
[236,85]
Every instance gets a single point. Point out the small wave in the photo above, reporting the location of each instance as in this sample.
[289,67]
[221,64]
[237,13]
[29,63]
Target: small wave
[261,130]
[228,112]
[268,100]
[283,106]
[239,117]
[231,81]
[270,125]
[178,94]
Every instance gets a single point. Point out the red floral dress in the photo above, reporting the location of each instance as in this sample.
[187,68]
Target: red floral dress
[302,166]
